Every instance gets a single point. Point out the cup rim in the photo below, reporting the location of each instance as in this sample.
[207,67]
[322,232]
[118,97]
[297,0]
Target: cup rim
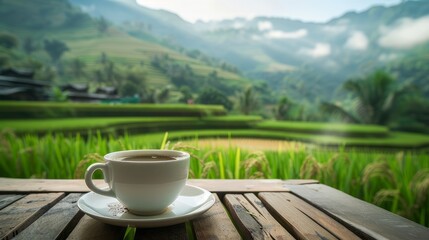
[178,155]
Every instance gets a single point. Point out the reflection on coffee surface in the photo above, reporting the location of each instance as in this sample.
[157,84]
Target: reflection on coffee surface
[146,158]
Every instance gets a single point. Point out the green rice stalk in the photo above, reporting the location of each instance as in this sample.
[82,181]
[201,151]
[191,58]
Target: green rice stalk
[221,166]
[237,164]
[130,233]
[164,141]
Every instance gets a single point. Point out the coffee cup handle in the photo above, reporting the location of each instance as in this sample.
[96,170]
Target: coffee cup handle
[88,179]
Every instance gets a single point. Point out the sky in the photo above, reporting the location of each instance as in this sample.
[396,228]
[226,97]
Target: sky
[305,10]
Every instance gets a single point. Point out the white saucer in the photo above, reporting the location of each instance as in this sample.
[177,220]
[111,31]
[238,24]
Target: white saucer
[191,202]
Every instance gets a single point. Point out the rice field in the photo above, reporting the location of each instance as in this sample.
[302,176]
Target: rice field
[397,181]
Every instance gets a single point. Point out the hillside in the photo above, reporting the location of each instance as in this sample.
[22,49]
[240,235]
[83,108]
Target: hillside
[90,43]
[303,60]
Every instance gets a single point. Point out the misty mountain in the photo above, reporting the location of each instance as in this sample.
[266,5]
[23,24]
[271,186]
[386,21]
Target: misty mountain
[299,59]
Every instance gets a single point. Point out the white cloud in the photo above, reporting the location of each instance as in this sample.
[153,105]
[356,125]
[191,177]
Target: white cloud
[319,50]
[277,34]
[337,28]
[387,57]
[357,41]
[256,37]
[265,25]
[238,25]
[87,8]
[406,33]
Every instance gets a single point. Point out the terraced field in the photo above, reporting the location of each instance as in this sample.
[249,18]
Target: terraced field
[184,122]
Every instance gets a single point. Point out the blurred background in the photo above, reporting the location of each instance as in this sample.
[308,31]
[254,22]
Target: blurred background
[332,90]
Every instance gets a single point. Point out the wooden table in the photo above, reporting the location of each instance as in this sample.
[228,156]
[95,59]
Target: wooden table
[248,209]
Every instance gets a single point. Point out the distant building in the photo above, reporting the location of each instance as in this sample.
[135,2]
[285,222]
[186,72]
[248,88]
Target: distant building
[18,84]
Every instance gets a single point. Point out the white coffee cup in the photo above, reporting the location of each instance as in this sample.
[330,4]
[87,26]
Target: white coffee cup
[146,182]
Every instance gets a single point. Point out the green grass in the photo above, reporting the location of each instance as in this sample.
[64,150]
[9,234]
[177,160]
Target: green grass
[82,124]
[325,128]
[393,140]
[15,109]
[398,182]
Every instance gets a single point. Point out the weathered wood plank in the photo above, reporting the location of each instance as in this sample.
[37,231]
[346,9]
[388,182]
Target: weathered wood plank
[248,226]
[295,221]
[270,228]
[370,220]
[57,222]
[215,224]
[321,218]
[20,214]
[91,229]
[275,229]
[78,185]
[5,200]
[175,232]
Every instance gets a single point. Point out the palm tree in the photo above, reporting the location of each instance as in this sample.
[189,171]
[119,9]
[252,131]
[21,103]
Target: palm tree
[377,99]
[248,101]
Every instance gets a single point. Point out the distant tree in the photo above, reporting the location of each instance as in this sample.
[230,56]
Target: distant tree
[248,101]
[103,58]
[102,25]
[8,40]
[211,95]
[45,73]
[186,94]
[29,45]
[98,75]
[4,60]
[57,95]
[77,68]
[163,95]
[55,49]
[110,71]
[282,111]
[377,99]
[135,84]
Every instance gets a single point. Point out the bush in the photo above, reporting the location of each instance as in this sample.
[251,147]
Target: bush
[14,109]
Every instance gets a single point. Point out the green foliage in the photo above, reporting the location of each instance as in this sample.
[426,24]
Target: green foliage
[102,124]
[248,101]
[395,140]
[8,40]
[77,68]
[102,25]
[55,49]
[377,99]
[57,95]
[211,95]
[394,181]
[180,75]
[186,95]
[283,109]
[29,45]
[13,109]
[326,128]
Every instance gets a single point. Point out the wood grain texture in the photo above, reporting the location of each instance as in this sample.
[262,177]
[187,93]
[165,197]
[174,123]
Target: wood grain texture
[247,225]
[57,222]
[175,232]
[276,230]
[295,221]
[14,185]
[319,217]
[215,224]
[7,199]
[368,220]
[253,223]
[91,229]
[20,214]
